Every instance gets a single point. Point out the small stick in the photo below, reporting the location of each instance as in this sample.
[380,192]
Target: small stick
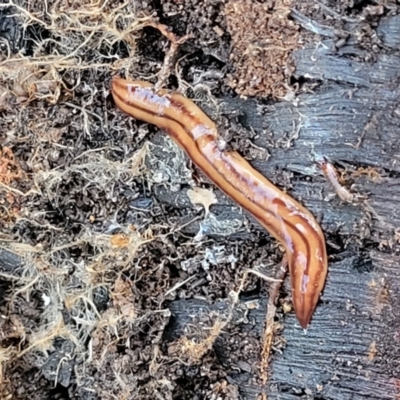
[270,323]
[332,177]
[170,54]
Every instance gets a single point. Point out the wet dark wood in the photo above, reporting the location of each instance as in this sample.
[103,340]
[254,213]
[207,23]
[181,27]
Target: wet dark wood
[351,350]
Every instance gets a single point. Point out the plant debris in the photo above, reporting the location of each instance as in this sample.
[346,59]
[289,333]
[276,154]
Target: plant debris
[113,282]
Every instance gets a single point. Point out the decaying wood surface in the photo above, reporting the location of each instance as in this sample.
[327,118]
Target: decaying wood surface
[351,350]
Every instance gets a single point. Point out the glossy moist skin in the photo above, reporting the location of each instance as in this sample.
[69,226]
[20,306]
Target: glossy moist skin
[283,217]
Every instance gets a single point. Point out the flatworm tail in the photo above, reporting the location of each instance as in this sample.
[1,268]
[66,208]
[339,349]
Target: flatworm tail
[284,218]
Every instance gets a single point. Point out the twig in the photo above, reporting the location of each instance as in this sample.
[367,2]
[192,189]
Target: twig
[170,54]
[178,285]
[269,322]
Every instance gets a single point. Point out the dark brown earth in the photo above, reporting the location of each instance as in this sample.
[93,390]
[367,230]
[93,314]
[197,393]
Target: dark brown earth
[107,288]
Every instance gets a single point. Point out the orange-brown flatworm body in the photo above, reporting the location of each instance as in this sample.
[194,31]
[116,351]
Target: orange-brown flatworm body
[283,217]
